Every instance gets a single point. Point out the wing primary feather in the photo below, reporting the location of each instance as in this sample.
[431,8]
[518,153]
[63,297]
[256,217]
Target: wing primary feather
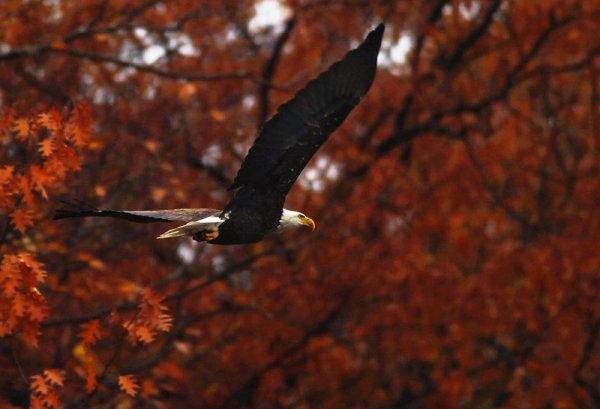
[301,125]
[139,216]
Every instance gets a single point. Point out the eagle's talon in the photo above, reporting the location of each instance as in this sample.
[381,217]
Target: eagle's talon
[210,235]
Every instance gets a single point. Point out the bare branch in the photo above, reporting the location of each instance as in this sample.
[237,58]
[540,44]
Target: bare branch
[269,70]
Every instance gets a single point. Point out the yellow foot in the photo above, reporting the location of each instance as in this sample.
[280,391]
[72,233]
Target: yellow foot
[209,235]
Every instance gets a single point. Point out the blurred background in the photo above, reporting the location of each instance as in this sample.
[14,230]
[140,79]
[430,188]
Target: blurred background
[456,258]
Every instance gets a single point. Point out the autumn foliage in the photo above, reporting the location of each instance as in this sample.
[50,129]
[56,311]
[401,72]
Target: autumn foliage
[455,262]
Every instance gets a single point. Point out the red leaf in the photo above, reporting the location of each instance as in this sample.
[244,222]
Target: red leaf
[90,332]
[30,333]
[37,312]
[22,219]
[91,382]
[37,268]
[10,276]
[19,305]
[11,283]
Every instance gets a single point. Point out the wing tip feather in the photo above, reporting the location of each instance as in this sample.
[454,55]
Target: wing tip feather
[367,50]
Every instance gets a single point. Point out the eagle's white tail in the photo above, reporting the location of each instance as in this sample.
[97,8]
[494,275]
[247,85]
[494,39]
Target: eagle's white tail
[211,223]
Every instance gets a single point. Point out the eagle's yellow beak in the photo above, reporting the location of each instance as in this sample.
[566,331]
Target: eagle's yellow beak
[308,222]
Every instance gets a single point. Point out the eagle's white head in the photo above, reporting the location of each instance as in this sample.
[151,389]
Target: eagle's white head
[291,218]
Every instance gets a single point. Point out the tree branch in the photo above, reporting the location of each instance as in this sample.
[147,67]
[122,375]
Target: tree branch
[269,70]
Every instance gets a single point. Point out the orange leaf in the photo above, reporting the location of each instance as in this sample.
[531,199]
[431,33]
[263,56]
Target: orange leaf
[21,128]
[39,384]
[21,219]
[144,334]
[79,126]
[19,305]
[41,176]
[164,322]
[51,400]
[26,191]
[11,283]
[50,120]
[78,136]
[55,376]
[37,268]
[90,332]
[6,173]
[128,384]
[46,147]
[35,402]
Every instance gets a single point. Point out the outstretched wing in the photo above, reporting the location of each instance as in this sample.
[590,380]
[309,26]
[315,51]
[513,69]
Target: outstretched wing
[138,216]
[290,138]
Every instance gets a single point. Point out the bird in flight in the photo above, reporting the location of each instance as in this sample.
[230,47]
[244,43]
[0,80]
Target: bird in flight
[285,144]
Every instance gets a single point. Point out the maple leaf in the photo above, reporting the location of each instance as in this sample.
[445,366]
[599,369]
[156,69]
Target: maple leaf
[46,147]
[128,384]
[55,376]
[22,128]
[22,219]
[90,332]
[39,384]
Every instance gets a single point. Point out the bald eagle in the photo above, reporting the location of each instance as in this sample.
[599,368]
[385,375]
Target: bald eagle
[282,149]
